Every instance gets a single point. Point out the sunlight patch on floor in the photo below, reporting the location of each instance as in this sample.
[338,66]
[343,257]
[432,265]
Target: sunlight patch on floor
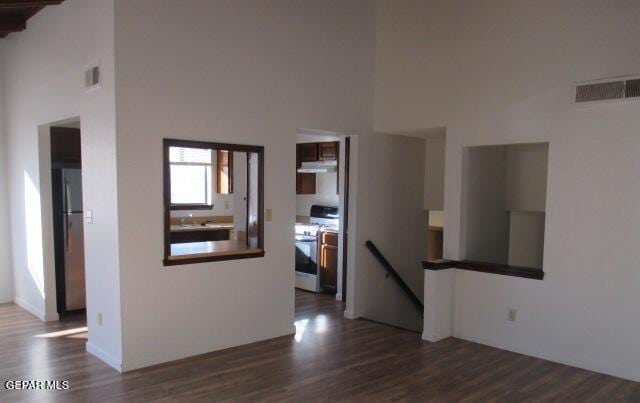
[301,326]
[77,333]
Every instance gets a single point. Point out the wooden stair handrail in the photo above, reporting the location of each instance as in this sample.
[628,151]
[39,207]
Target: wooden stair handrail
[389,268]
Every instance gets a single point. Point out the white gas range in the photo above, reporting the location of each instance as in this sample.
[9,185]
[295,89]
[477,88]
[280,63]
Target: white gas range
[321,218]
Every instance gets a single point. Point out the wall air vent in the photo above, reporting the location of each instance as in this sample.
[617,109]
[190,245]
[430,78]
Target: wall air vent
[632,89]
[600,91]
[92,77]
[608,90]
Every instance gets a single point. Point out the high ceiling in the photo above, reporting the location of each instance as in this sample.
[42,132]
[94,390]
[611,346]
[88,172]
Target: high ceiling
[15,13]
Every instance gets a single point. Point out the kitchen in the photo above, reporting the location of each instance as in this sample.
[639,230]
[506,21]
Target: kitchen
[317,229]
[212,198]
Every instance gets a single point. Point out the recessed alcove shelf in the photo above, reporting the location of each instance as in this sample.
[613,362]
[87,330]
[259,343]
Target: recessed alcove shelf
[504,199]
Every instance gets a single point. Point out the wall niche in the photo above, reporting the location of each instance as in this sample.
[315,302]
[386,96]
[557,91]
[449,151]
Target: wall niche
[504,200]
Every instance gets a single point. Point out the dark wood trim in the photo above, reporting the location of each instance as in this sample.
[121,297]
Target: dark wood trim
[484,267]
[205,259]
[191,207]
[213,146]
[436,265]
[345,215]
[247,200]
[337,167]
[166,144]
[261,199]
[230,171]
[28,3]
[166,182]
[503,269]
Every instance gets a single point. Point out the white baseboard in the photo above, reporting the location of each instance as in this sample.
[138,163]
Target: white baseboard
[6,300]
[30,308]
[348,314]
[132,363]
[104,356]
[433,337]
[52,317]
[584,362]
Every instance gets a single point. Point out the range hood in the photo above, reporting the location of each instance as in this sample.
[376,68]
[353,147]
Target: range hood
[318,167]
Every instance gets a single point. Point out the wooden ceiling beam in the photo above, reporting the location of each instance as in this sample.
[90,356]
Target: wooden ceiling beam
[12,22]
[11,4]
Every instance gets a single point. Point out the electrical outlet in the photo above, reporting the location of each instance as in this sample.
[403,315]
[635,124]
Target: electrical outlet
[511,316]
[100,318]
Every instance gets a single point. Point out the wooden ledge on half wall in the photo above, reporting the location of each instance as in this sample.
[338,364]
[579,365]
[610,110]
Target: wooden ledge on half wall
[493,268]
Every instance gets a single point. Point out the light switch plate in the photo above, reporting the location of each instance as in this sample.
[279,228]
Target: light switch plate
[88,216]
[267,215]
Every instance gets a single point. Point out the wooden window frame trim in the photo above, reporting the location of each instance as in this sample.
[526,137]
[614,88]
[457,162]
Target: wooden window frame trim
[485,267]
[176,207]
[229,175]
[168,207]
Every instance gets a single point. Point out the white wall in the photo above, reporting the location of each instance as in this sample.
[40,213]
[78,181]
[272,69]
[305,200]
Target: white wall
[526,239]
[240,72]
[6,277]
[527,177]
[390,213]
[44,76]
[498,72]
[486,230]
[434,173]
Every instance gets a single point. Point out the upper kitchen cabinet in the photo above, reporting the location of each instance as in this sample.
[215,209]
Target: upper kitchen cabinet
[308,152]
[328,151]
[305,184]
[311,153]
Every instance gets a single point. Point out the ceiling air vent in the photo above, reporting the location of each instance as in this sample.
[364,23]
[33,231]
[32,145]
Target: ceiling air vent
[608,90]
[92,77]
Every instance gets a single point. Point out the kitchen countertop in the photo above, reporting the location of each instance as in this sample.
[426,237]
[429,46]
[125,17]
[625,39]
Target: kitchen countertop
[330,229]
[210,248]
[198,227]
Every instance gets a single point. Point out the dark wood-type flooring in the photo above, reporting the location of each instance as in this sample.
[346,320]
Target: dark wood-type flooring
[330,359]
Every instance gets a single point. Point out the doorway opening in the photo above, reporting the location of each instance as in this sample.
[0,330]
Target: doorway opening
[434,194]
[322,200]
[68,219]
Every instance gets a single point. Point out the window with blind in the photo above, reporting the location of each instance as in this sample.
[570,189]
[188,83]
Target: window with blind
[191,178]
